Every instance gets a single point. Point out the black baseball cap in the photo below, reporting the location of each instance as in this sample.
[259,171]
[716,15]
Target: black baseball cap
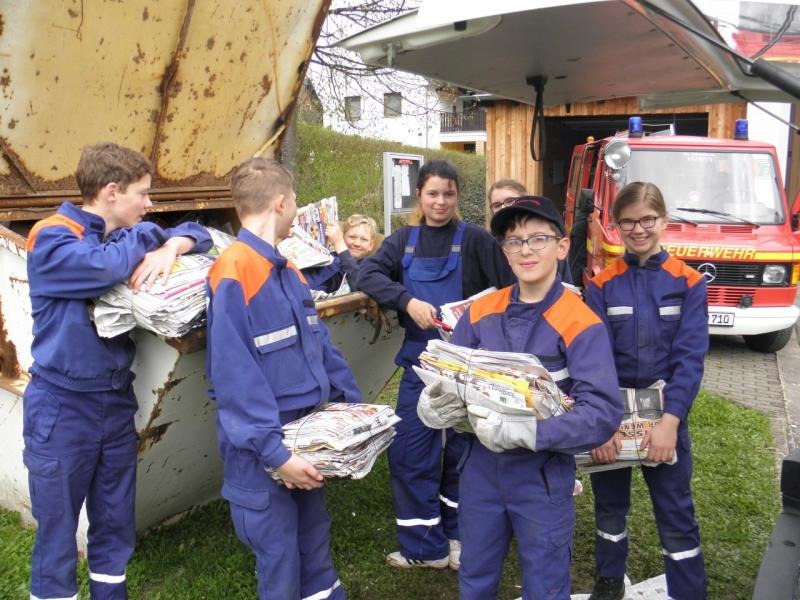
[538,206]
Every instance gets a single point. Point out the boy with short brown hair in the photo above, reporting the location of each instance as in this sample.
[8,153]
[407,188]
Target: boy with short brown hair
[78,409]
[271,361]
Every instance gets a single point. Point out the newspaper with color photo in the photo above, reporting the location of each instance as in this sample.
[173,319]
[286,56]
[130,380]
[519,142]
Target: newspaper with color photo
[643,410]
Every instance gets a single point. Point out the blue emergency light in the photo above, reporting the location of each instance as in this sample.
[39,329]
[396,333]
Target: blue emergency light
[635,127]
[740,131]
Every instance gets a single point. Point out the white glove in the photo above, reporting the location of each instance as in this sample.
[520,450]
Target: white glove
[500,431]
[439,409]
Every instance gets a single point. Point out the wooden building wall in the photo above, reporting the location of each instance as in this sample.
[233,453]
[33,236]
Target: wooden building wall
[508,126]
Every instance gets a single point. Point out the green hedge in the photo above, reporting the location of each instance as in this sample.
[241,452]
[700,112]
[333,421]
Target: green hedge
[351,168]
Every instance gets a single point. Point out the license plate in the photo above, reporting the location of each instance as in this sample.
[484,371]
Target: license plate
[717,319]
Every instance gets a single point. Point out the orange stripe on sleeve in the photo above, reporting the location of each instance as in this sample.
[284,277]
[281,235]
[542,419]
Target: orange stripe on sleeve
[243,264]
[569,316]
[54,221]
[678,268]
[614,270]
[493,303]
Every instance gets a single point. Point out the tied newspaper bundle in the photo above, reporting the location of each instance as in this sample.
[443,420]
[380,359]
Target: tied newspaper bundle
[170,309]
[643,409]
[307,245]
[341,439]
[511,382]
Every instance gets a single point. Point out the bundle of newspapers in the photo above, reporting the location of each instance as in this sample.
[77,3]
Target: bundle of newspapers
[307,246]
[516,380]
[643,410]
[341,439]
[171,309]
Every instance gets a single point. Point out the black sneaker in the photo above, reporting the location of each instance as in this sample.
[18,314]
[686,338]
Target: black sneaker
[608,588]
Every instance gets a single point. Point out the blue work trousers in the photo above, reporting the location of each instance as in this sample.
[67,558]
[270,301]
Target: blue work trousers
[424,478]
[80,446]
[670,492]
[287,530]
[523,494]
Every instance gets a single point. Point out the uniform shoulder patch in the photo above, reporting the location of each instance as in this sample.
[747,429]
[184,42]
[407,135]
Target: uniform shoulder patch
[678,268]
[569,316]
[54,221]
[241,263]
[493,303]
[616,269]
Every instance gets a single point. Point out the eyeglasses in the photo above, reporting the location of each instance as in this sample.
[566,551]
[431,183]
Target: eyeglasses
[495,206]
[535,242]
[647,222]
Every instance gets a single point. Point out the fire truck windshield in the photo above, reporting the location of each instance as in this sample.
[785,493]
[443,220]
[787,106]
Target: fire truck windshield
[716,187]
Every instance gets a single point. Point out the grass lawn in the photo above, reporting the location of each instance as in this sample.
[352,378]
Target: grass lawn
[735,490]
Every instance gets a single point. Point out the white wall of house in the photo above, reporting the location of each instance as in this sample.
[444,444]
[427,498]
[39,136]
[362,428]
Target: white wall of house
[416,125]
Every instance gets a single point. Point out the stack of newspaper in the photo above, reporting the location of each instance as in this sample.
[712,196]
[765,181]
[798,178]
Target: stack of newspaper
[307,246]
[171,310]
[313,218]
[515,380]
[303,250]
[643,409]
[342,439]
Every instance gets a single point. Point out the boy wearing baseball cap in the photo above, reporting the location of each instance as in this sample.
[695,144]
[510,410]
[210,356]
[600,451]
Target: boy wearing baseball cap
[524,487]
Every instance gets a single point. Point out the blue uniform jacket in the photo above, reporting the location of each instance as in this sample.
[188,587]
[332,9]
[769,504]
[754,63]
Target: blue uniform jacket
[69,263]
[329,278]
[268,354]
[570,341]
[657,320]
[483,264]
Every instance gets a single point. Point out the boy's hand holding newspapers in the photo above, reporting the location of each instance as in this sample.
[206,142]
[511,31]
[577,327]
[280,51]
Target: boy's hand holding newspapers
[500,431]
[439,409]
[297,472]
[660,441]
[608,452]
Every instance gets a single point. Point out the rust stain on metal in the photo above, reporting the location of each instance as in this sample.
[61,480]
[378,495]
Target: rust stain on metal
[150,436]
[169,86]
[266,84]
[210,43]
[167,387]
[2,24]
[9,364]
[139,54]
[12,123]
[145,14]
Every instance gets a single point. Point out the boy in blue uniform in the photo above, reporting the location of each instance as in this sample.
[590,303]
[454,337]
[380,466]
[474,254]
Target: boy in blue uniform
[271,361]
[78,409]
[655,310]
[525,489]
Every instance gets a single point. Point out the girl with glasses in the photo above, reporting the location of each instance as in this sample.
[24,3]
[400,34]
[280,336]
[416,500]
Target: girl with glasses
[655,310]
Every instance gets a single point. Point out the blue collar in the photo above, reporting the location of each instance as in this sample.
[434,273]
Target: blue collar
[92,223]
[653,263]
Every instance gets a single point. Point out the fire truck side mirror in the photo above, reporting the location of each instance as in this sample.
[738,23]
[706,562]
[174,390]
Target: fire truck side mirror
[795,221]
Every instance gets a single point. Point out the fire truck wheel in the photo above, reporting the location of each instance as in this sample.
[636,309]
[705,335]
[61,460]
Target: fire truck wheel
[769,342]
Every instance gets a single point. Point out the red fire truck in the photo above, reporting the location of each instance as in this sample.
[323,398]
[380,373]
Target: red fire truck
[728,218]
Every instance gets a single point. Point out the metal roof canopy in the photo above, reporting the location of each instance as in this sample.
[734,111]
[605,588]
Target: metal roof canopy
[588,51]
